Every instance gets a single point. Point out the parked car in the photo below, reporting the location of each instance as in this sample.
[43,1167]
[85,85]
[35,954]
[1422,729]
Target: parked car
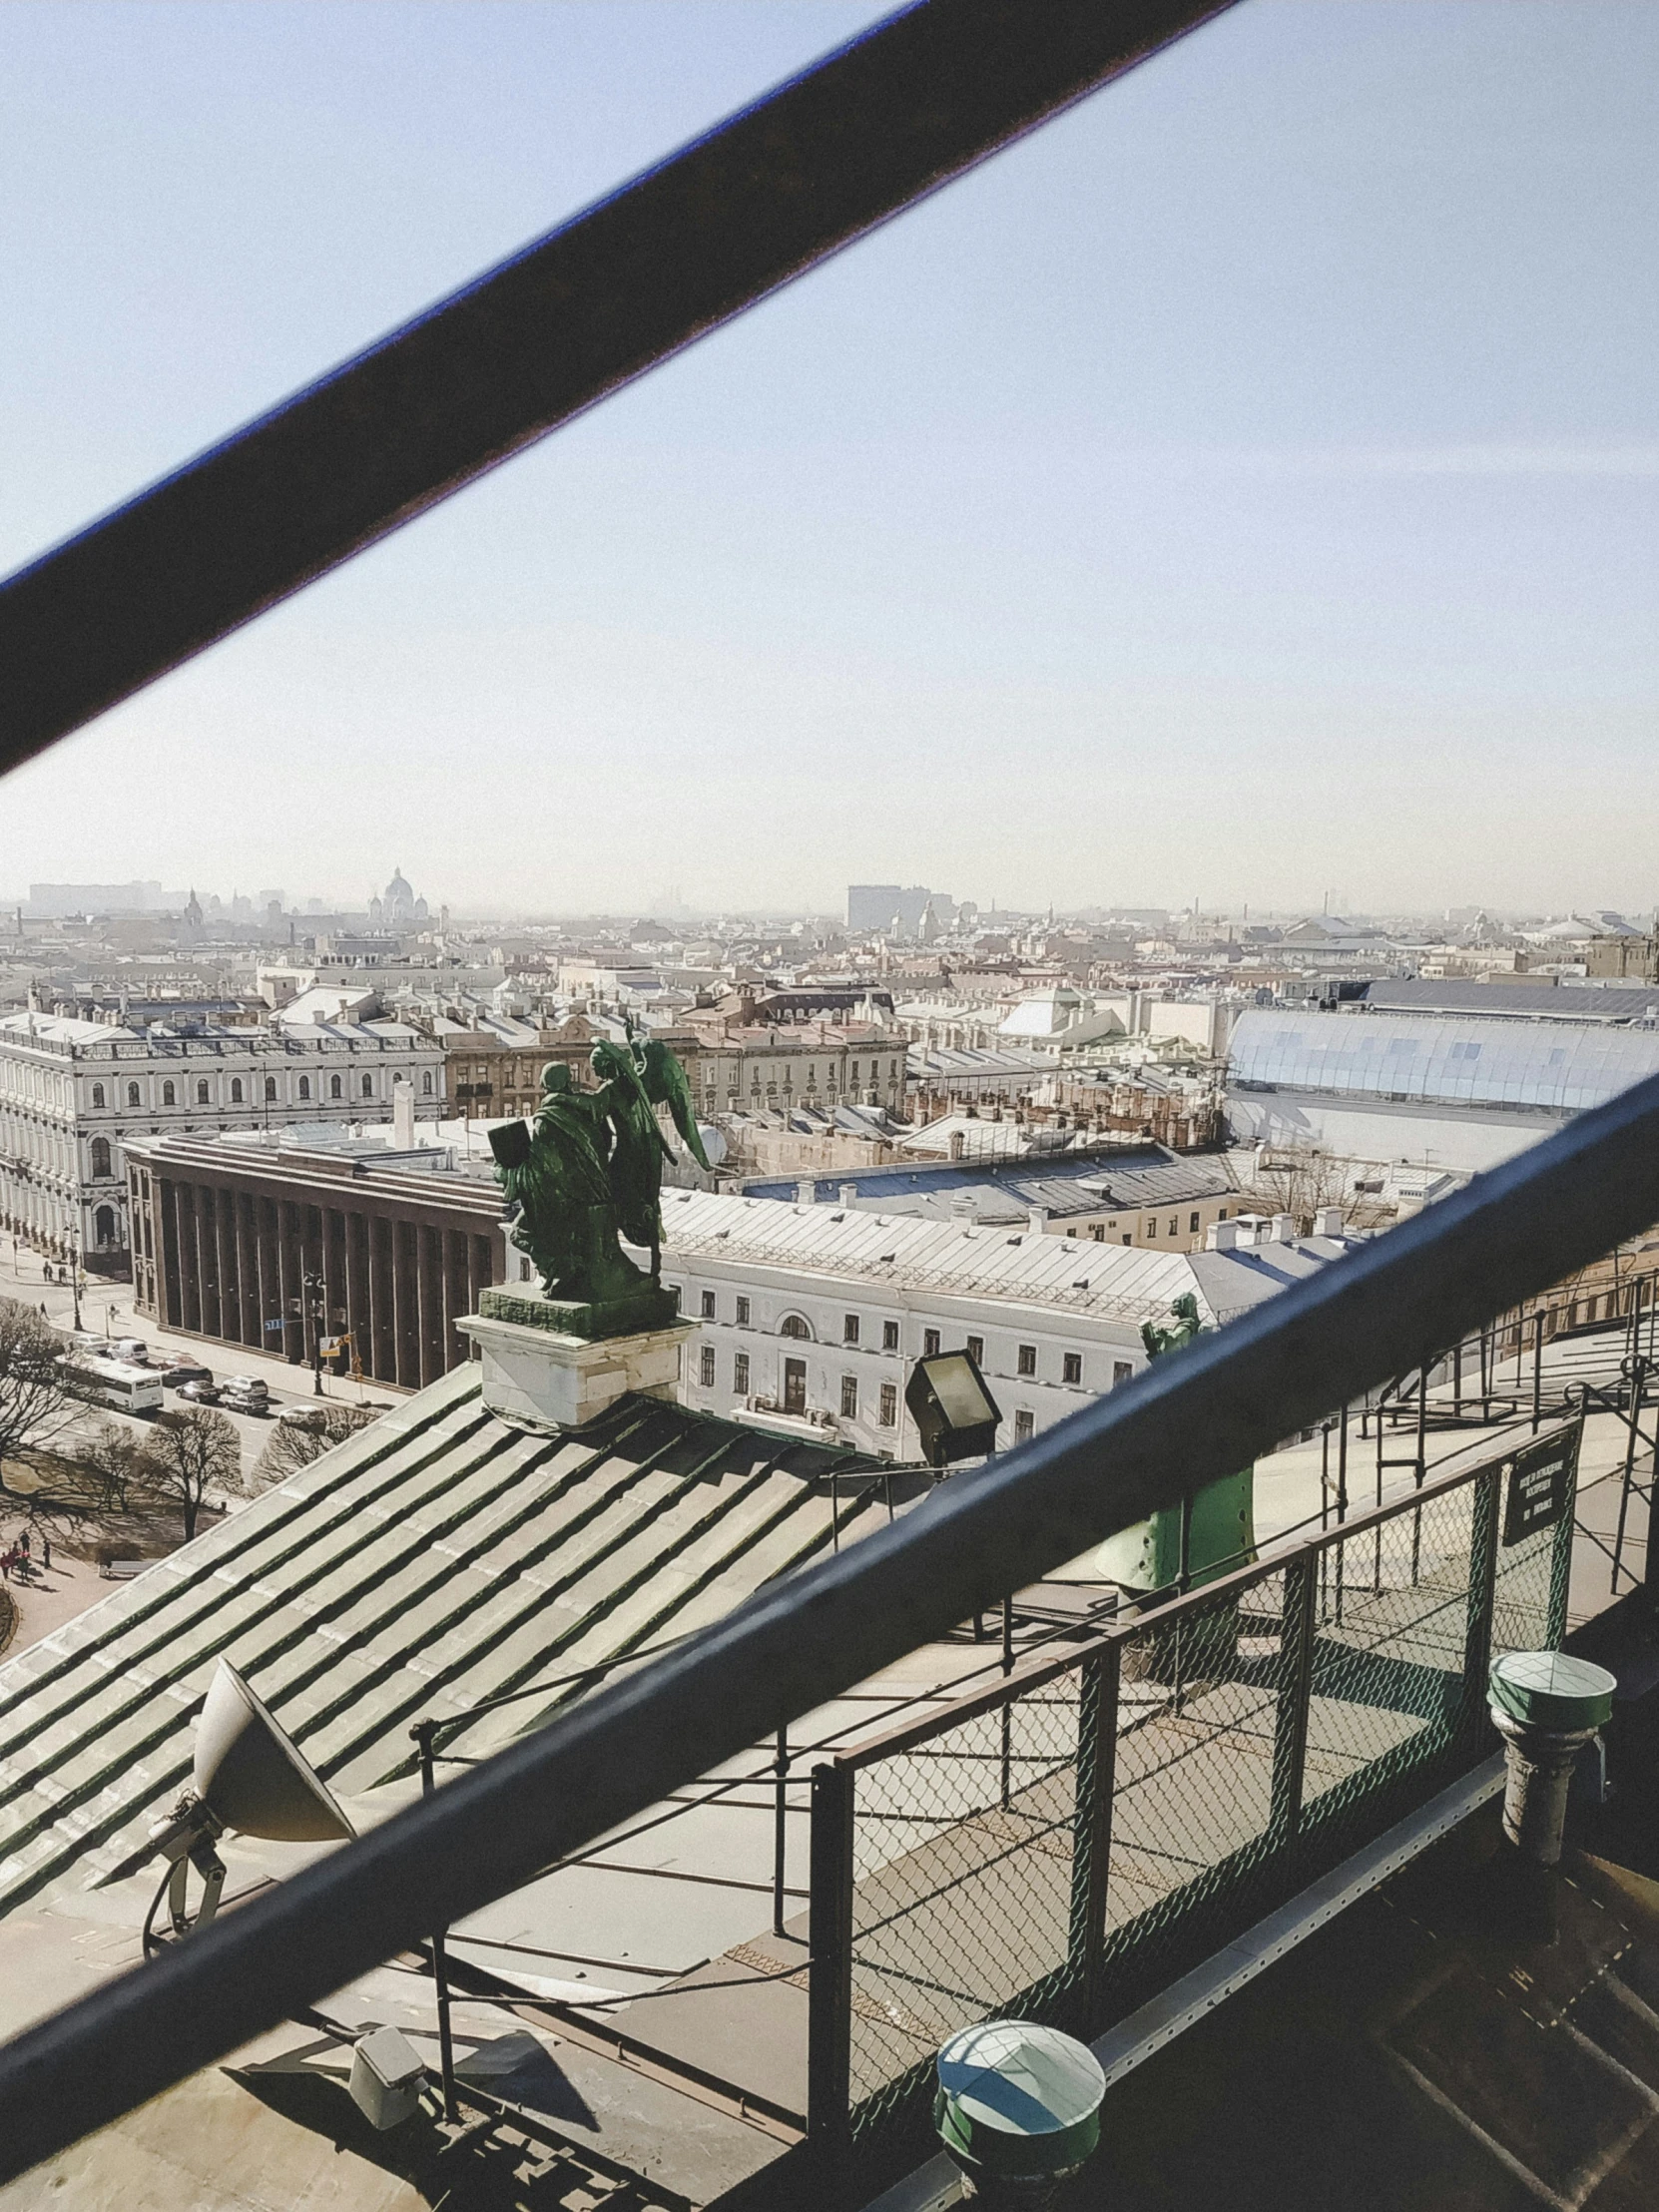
[186,1370]
[199,1393]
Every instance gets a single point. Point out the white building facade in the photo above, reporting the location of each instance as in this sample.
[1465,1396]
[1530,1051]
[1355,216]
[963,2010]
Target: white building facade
[812,1318]
[73,1092]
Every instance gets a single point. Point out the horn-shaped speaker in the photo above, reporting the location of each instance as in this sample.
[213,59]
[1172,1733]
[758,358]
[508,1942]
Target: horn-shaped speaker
[251,1776]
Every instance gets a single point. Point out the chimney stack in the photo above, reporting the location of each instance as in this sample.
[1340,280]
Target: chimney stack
[1036,1221]
[1223,1237]
[850,1194]
[1327,1221]
[402,1114]
[1283,1229]
[806,1192]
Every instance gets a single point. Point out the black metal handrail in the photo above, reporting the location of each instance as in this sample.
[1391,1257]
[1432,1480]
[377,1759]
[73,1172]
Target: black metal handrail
[1182,1422]
[544,335]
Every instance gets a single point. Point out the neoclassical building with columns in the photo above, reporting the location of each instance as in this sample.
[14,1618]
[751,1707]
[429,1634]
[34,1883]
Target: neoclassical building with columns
[75,1095]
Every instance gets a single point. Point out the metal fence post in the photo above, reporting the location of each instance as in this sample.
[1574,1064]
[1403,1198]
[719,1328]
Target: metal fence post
[1091,1830]
[1290,1720]
[830,1975]
[1477,1634]
[1560,1562]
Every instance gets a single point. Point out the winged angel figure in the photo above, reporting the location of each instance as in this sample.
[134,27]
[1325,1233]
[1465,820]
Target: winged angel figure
[591,1167]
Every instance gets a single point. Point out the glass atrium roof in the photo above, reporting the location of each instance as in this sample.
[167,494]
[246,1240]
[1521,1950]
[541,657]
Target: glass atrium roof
[1481,1062]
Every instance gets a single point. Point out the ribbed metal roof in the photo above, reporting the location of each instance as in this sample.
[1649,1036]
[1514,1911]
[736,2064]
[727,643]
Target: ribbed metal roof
[1116,1281]
[1431,1059]
[1619,1002]
[437,1558]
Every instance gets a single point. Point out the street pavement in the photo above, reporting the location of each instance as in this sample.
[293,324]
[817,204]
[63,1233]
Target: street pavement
[107,1309]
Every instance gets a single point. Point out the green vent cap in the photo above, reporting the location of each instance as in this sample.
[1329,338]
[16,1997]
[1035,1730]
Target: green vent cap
[1017,2098]
[1552,1689]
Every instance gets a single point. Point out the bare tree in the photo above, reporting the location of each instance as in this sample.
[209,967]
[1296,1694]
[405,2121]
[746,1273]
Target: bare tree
[298,1440]
[187,1454]
[113,1461]
[34,1402]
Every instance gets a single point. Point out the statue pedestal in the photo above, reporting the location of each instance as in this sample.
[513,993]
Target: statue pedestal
[546,1373]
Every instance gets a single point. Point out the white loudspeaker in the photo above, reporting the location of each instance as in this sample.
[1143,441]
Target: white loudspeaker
[249,1775]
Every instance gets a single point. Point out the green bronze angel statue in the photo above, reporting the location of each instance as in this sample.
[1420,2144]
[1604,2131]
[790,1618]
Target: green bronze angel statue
[590,1169]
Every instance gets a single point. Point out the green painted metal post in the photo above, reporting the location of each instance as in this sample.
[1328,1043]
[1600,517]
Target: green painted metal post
[829,1977]
[1091,1831]
[1477,1634]
[1290,1725]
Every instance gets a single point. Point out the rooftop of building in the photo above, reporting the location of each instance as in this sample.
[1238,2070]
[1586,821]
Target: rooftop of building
[1009,1191]
[1115,1282]
[1482,1061]
[1635,1004]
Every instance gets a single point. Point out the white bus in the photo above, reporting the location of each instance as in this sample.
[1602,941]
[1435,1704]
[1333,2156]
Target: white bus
[116,1383]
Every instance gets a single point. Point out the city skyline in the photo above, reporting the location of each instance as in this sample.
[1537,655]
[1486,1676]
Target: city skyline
[1250,477]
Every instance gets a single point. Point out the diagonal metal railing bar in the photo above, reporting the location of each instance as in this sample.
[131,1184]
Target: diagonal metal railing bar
[752,203]
[1180,1423]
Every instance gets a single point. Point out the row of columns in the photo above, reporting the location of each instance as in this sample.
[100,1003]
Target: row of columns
[234,1265]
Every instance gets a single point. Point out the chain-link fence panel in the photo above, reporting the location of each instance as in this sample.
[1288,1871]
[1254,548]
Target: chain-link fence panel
[1229,1745]
[962,1871]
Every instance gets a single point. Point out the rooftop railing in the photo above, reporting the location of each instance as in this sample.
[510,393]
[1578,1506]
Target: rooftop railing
[742,211]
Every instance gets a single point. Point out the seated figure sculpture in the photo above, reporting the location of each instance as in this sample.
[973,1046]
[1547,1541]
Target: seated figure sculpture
[590,1169]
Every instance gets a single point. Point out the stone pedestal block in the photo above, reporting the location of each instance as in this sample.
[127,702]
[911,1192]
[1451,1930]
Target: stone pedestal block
[542,1376]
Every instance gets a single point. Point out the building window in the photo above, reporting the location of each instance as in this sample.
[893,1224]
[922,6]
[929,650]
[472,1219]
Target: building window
[1122,1370]
[1024,1426]
[368,1086]
[97,1095]
[1192,1225]
[889,1336]
[426,1085]
[706,1366]
[202,1092]
[236,1090]
[850,1398]
[1028,1363]
[334,1086]
[976,1351]
[1222,1216]
[672,1290]
[1128,1237]
[270,1088]
[1071,1367]
[304,1086]
[709,1309]
[170,1096]
[132,1094]
[849,1328]
[890,1406]
[1151,1228]
[103,1225]
[791,1324]
[929,1343]
[100,1156]
[1173,1224]
[740,1374]
[742,1319]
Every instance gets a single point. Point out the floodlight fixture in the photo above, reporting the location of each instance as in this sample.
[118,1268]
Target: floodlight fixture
[249,1776]
[955,1415]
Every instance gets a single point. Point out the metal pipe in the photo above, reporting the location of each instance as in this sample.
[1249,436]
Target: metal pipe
[754,203]
[1177,1426]
[422,1733]
[780,1828]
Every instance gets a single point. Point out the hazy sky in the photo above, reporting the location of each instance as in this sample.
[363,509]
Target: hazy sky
[1243,488]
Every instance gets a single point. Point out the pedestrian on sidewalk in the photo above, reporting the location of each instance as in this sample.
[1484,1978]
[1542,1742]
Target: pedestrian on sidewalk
[45,1547]
[25,1543]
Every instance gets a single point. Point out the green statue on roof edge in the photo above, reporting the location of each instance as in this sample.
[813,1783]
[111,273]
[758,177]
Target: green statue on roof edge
[590,1169]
